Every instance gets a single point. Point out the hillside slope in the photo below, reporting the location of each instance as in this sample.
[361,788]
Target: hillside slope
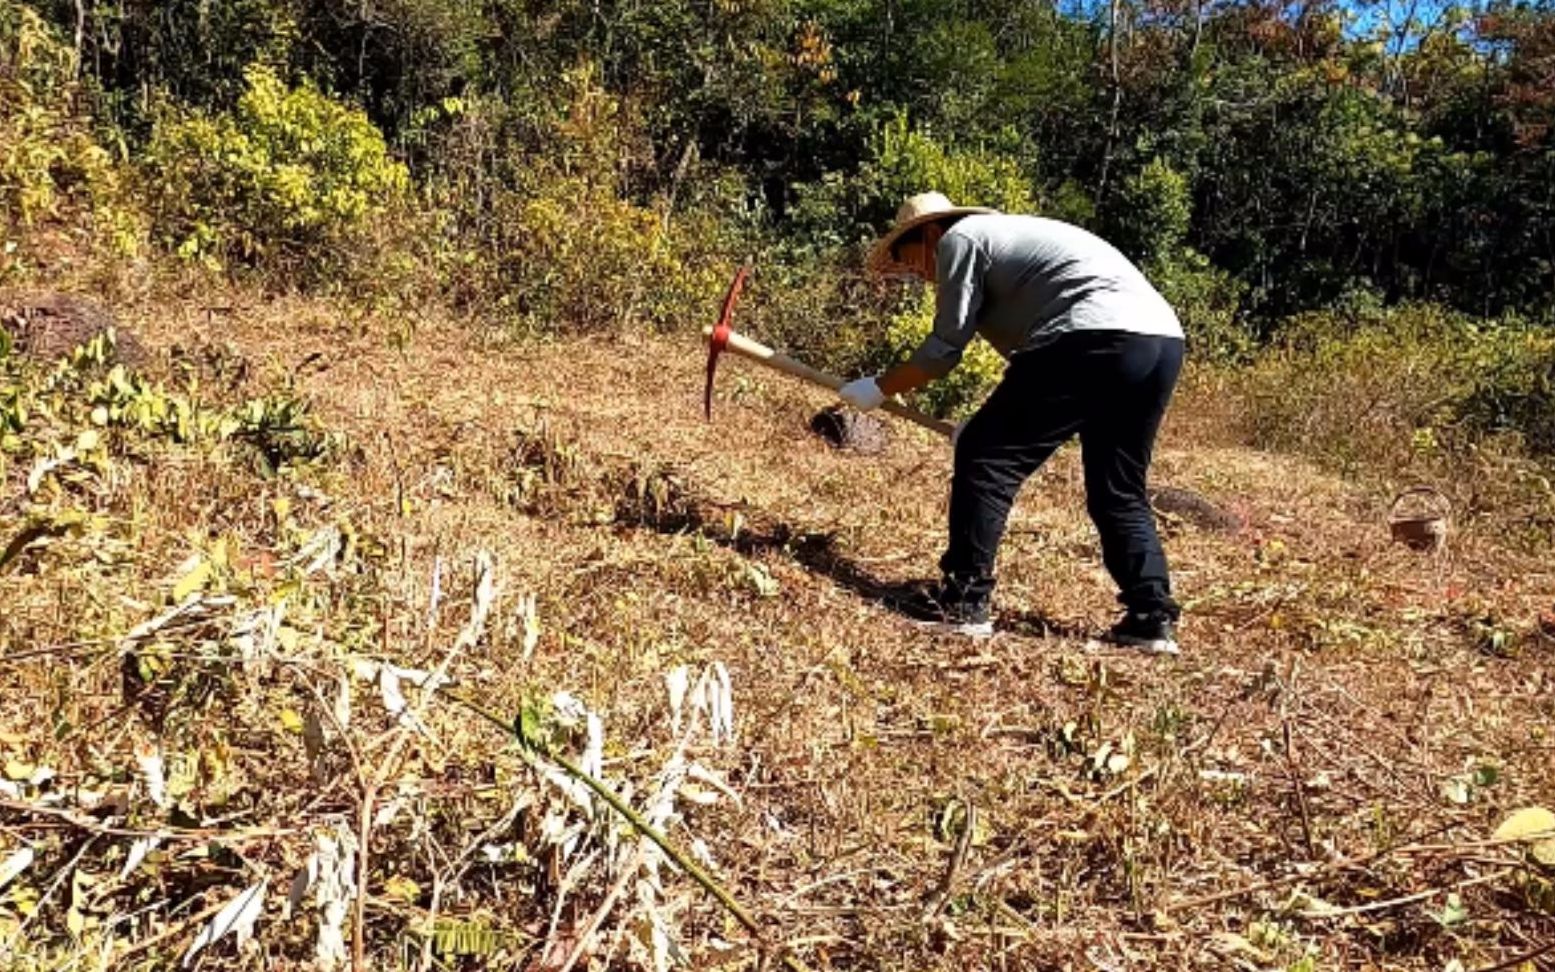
[1312,785]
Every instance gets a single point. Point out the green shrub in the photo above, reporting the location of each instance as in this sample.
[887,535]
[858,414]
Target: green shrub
[907,161]
[1513,388]
[1361,389]
[555,243]
[849,209]
[290,173]
[581,258]
[1208,302]
[52,166]
[1151,212]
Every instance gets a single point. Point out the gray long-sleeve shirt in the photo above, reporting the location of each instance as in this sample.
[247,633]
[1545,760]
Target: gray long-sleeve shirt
[1021,281]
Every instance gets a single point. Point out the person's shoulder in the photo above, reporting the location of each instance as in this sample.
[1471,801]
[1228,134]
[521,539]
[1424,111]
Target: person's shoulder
[1055,233]
[984,230]
[985,225]
[981,224]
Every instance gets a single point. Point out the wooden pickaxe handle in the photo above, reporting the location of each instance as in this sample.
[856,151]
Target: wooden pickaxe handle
[778,361]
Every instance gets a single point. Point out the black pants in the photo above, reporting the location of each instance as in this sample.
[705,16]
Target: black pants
[1111,389]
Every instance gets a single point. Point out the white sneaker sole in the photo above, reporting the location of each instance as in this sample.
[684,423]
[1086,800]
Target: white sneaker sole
[977,630]
[1158,646]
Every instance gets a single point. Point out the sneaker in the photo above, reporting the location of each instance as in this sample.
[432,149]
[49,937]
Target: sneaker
[946,611]
[1153,632]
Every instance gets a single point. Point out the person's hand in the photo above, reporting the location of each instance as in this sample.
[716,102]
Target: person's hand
[863,394]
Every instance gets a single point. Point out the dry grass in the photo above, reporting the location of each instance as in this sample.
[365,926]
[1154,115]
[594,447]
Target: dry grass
[1302,790]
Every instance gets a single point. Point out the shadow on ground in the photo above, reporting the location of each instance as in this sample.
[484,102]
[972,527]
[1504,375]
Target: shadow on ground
[817,552]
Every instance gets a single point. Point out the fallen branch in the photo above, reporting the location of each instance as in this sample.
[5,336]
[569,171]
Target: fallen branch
[597,920]
[469,636]
[1317,913]
[1315,874]
[1517,962]
[941,895]
[162,833]
[168,933]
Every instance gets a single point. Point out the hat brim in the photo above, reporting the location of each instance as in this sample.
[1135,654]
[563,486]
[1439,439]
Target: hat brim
[879,259]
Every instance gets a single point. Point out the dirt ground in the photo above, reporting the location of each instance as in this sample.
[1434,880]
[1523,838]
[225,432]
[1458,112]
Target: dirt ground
[1313,784]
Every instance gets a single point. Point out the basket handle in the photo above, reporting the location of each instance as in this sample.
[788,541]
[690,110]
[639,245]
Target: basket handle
[1443,505]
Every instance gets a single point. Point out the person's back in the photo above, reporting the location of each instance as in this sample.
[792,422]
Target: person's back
[1041,278]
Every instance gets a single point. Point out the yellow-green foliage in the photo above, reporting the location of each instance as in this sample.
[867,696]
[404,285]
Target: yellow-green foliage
[959,392]
[583,257]
[1208,302]
[559,245]
[52,167]
[1412,392]
[908,160]
[1417,374]
[64,422]
[1152,213]
[290,171]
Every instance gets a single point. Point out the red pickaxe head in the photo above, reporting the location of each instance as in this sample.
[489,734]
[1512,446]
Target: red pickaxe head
[725,336]
[720,337]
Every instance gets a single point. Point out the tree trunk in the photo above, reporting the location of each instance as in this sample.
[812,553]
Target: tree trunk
[1117,102]
[80,34]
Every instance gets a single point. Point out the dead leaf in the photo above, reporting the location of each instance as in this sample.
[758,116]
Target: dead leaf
[193,580]
[15,864]
[1536,826]
[150,762]
[137,854]
[236,919]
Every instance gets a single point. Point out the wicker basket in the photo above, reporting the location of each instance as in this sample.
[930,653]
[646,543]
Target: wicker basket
[1419,516]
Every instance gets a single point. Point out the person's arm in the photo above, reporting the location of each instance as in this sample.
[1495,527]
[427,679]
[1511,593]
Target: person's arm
[959,268]
[903,378]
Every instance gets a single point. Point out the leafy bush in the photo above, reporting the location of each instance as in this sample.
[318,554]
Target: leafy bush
[904,161]
[1151,214]
[290,173]
[52,167]
[1514,386]
[581,257]
[907,161]
[1208,302]
[556,242]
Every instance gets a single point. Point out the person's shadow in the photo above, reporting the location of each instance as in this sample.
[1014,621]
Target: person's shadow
[819,553]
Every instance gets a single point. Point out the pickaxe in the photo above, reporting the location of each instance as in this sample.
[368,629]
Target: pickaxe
[725,336]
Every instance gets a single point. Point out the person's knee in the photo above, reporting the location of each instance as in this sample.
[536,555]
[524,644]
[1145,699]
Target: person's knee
[1126,510]
[982,472]
[975,438]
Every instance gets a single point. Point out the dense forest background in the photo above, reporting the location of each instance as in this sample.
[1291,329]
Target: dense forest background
[1285,172]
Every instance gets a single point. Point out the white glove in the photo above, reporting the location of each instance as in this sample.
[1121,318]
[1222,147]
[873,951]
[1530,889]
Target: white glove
[863,394]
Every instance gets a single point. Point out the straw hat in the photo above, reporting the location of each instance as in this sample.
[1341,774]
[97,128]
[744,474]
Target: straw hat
[923,208]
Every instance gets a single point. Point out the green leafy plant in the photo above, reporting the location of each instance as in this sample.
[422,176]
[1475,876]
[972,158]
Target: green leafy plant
[290,172]
[1151,213]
